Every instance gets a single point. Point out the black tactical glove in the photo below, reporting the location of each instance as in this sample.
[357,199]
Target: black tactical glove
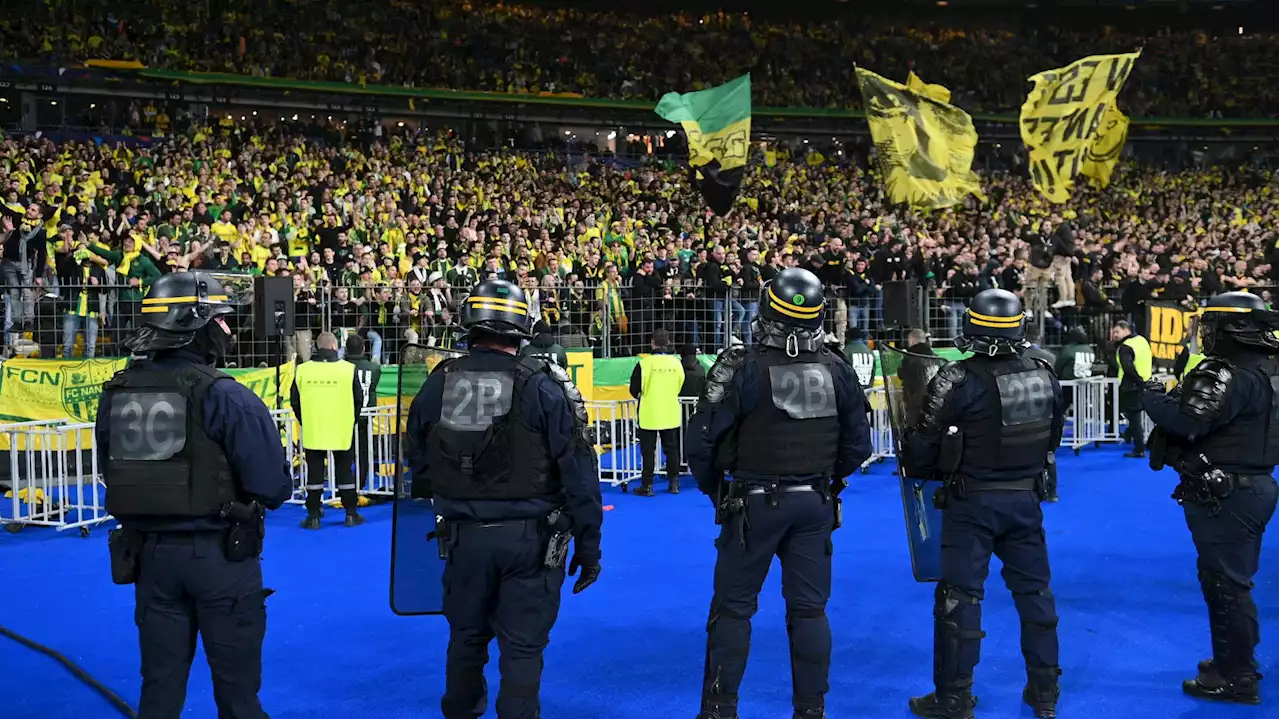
[1154,385]
[590,573]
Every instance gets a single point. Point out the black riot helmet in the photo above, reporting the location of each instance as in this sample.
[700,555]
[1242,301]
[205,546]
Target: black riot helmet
[1237,318]
[497,307]
[994,324]
[178,310]
[791,310]
[793,298]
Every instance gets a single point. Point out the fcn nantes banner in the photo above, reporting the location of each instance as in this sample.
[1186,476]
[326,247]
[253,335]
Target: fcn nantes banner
[717,123]
[40,389]
[1168,331]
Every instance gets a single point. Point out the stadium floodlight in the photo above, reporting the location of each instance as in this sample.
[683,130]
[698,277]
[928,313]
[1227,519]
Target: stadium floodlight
[612,135]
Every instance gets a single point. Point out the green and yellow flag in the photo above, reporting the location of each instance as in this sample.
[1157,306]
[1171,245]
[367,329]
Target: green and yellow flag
[717,123]
[1063,117]
[924,145]
[1104,153]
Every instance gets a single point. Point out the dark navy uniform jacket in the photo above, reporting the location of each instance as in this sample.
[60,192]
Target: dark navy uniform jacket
[236,419]
[744,394]
[922,443]
[546,409]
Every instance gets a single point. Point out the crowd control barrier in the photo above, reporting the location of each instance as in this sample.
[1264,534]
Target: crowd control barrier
[53,477]
[1092,418]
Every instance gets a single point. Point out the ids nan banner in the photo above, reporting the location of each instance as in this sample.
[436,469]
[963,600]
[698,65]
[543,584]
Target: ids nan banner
[1063,115]
[1168,331]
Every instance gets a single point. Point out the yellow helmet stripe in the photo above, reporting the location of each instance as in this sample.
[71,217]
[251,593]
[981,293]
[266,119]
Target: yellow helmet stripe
[995,318]
[1235,310]
[998,325]
[181,300]
[498,300]
[156,308]
[790,310]
[499,308]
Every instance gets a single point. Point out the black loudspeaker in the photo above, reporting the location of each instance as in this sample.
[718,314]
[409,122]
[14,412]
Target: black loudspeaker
[273,306]
[902,304]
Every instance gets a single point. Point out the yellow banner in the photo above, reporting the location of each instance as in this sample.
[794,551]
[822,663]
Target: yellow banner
[1102,156]
[115,64]
[933,92]
[1063,115]
[924,146]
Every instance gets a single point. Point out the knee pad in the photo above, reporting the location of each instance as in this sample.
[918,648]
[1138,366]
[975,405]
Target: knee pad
[949,600]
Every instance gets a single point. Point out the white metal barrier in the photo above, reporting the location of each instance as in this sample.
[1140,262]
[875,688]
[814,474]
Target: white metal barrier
[53,477]
[881,427]
[1094,414]
[614,432]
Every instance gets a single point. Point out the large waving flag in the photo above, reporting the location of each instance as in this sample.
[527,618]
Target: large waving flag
[1101,158]
[924,145]
[1063,120]
[717,123]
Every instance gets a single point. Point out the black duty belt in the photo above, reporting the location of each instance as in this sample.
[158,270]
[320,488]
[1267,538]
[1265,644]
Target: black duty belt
[1015,485]
[1238,481]
[781,488]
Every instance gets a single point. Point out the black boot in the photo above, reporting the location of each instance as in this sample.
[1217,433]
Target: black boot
[1243,690]
[353,519]
[673,486]
[312,521]
[951,705]
[809,713]
[1041,692]
[646,489]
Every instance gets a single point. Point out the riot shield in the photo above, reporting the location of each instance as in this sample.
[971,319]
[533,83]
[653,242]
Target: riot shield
[416,567]
[906,380]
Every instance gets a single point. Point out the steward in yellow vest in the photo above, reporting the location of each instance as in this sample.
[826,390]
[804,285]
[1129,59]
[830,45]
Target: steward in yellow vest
[326,399]
[656,382]
[1133,363]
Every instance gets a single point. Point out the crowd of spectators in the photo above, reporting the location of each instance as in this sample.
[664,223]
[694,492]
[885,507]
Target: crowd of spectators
[514,48]
[384,238]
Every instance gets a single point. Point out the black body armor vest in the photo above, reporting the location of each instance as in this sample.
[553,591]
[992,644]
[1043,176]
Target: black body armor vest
[795,427]
[160,461]
[1012,431]
[481,447]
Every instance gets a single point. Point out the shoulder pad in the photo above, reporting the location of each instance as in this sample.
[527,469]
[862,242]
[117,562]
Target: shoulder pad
[953,372]
[720,376]
[1043,364]
[446,365]
[571,393]
[943,384]
[1205,388]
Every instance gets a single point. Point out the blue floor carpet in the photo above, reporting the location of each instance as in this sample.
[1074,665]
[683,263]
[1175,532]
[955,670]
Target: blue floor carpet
[1132,620]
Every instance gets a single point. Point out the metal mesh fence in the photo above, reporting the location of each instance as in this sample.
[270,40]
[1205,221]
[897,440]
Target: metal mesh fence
[615,319]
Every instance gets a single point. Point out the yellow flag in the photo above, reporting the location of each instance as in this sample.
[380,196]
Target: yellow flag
[770,157]
[1062,117]
[924,147]
[933,92]
[1103,154]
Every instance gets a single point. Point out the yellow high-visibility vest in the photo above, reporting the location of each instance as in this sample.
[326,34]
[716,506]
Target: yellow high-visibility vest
[328,404]
[661,376]
[1141,357]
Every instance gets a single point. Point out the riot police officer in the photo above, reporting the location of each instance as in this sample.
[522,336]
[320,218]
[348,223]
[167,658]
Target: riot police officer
[190,458]
[988,426]
[501,441]
[787,420]
[1218,429]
